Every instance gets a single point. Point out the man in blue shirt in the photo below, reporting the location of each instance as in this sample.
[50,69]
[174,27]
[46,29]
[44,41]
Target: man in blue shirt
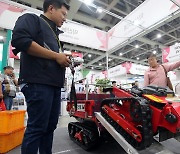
[42,72]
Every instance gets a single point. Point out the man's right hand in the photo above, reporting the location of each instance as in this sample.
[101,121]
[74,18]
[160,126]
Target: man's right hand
[63,59]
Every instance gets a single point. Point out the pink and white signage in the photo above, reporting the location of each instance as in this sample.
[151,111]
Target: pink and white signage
[137,69]
[147,14]
[171,53]
[9,13]
[127,68]
[83,35]
[138,20]
[116,71]
[11,54]
[74,33]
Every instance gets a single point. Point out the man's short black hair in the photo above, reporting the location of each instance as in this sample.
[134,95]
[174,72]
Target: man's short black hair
[151,55]
[113,82]
[55,3]
[8,67]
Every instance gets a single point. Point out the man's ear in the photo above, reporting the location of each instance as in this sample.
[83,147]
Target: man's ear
[50,8]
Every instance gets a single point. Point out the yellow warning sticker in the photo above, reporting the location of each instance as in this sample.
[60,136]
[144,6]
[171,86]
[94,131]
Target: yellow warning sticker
[154,98]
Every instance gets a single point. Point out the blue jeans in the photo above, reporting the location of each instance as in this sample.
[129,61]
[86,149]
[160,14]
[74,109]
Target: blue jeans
[43,105]
[8,100]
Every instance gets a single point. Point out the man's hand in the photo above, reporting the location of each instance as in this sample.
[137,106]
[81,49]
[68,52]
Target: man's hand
[13,76]
[63,59]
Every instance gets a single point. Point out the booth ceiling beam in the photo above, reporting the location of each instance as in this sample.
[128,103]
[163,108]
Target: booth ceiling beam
[167,33]
[90,20]
[130,3]
[100,53]
[155,43]
[73,10]
[151,42]
[145,40]
[109,7]
[102,3]
[97,66]
[176,2]
[77,48]
[154,27]
[170,42]
[113,56]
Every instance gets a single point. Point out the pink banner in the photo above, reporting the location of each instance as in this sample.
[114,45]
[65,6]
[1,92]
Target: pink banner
[128,66]
[77,54]
[11,55]
[165,54]
[11,8]
[171,54]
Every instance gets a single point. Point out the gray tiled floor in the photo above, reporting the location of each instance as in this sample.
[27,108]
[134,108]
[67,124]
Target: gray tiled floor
[63,144]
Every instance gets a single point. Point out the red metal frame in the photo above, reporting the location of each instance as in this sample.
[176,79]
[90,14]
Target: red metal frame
[121,114]
[125,122]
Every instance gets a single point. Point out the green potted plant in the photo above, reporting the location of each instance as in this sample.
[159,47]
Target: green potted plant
[102,83]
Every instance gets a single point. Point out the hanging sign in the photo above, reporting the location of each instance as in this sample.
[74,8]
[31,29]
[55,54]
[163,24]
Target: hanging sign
[171,53]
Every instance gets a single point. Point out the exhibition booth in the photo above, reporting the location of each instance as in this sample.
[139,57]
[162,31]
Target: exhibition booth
[133,25]
[137,23]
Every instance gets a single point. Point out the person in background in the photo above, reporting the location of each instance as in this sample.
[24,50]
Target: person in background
[156,75]
[114,84]
[95,91]
[135,84]
[42,72]
[8,85]
[80,87]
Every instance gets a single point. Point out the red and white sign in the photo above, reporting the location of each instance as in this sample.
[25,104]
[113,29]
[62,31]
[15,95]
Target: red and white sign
[116,71]
[129,68]
[171,53]
[137,69]
[11,54]
[138,20]
[79,34]
[74,32]
[147,14]
[77,54]
[10,11]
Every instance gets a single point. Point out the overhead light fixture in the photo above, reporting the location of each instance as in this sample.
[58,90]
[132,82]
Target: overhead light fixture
[120,54]
[136,46]
[100,64]
[89,55]
[90,3]
[87,2]
[1,37]
[159,35]
[137,58]
[92,68]
[109,59]
[99,9]
[154,52]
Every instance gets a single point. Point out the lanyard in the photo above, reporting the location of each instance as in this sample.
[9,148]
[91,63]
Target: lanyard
[57,39]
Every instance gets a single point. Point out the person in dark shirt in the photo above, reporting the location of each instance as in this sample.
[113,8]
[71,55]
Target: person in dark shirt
[135,85]
[113,85]
[42,72]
